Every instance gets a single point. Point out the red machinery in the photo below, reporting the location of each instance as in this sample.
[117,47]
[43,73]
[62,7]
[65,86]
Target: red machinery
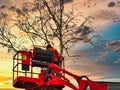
[50,75]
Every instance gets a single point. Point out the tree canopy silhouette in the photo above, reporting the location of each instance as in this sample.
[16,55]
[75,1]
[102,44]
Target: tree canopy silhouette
[42,22]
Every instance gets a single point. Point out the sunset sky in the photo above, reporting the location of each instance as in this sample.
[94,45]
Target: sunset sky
[101,64]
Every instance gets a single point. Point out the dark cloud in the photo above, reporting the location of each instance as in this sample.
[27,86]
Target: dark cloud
[24,9]
[18,6]
[18,11]
[34,9]
[3,6]
[114,45]
[117,61]
[10,3]
[13,8]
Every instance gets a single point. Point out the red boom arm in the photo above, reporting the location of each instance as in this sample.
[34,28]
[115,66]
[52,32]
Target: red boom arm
[54,76]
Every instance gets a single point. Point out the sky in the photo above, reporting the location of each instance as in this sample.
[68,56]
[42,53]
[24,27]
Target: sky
[97,63]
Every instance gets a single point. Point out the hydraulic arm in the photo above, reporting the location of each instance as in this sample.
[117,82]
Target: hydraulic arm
[51,74]
[54,75]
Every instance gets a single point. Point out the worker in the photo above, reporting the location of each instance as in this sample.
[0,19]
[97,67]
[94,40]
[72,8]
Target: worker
[58,55]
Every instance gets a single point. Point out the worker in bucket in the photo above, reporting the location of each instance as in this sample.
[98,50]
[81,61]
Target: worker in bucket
[57,54]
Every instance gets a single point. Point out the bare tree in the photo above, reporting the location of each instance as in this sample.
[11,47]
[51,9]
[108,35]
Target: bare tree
[43,22]
[49,22]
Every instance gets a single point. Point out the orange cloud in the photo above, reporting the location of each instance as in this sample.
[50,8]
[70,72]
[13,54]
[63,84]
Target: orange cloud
[2,78]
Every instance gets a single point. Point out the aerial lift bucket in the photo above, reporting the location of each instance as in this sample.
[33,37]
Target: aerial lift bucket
[22,70]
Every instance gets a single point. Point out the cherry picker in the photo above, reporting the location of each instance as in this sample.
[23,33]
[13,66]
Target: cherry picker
[51,75]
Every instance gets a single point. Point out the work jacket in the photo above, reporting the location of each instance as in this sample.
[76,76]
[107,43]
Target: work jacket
[55,52]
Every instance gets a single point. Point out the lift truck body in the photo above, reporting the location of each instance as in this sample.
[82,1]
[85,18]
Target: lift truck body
[51,75]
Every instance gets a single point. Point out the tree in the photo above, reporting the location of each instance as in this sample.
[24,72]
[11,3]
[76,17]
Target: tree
[49,22]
